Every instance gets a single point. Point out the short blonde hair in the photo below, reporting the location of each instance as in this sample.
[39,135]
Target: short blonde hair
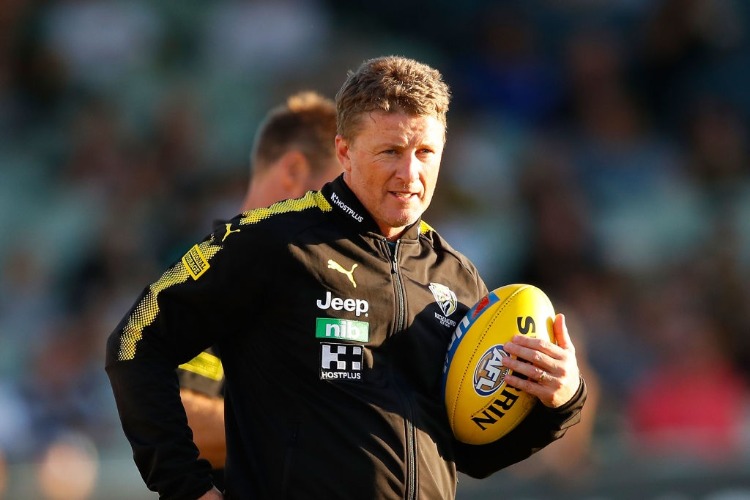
[305,122]
[390,84]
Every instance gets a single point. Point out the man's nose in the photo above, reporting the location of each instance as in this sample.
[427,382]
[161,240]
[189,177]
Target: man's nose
[409,168]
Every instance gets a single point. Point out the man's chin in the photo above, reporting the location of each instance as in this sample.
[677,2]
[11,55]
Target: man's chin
[404,222]
[402,218]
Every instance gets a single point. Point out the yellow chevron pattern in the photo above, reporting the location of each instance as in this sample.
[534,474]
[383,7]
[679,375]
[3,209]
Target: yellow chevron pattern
[194,264]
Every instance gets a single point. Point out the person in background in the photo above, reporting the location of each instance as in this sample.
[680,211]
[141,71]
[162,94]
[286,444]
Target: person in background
[293,152]
[332,313]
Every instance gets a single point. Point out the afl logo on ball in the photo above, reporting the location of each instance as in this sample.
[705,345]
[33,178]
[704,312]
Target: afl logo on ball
[490,373]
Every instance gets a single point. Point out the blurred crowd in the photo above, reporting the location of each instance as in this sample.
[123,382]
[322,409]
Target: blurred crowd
[597,149]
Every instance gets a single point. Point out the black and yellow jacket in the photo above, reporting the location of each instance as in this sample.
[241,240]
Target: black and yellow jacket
[332,342]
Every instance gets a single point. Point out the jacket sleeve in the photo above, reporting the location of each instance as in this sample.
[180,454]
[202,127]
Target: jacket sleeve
[154,422]
[174,319]
[541,427]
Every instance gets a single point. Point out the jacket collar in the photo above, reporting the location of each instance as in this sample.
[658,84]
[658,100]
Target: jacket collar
[346,204]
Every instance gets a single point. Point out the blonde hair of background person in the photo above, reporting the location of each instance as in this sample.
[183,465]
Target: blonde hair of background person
[293,152]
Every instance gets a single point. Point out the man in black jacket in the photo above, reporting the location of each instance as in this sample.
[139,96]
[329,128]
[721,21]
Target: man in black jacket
[332,337]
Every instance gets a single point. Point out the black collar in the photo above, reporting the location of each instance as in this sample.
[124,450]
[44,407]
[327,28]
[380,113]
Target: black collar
[351,211]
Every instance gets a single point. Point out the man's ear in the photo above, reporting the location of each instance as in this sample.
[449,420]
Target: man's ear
[342,152]
[294,172]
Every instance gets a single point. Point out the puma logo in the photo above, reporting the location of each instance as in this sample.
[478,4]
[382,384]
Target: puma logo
[229,231]
[332,264]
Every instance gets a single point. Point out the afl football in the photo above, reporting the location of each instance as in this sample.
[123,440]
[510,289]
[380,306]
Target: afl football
[481,407]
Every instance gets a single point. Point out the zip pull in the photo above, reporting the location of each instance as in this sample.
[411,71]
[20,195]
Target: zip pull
[393,247]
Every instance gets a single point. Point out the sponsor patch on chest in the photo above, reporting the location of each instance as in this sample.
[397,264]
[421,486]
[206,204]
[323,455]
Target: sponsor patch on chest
[341,361]
[359,307]
[344,329]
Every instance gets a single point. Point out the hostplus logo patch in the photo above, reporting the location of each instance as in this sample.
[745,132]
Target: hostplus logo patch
[341,361]
[346,208]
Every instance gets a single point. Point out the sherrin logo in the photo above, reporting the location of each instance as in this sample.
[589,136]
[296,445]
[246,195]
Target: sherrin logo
[490,373]
[497,409]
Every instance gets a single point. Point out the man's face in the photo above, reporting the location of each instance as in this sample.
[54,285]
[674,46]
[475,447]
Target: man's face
[392,166]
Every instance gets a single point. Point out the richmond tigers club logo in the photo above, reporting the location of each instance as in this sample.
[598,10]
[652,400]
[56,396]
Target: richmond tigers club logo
[445,298]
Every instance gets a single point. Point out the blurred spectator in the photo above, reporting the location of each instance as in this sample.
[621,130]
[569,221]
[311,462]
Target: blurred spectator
[33,92]
[643,211]
[62,386]
[3,475]
[110,269]
[715,140]
[177,136]
[690,405]
[102,42]
[560,239]
[97,164]
[16,432]
[26,308]
[504,71]
[682,42]
[562,256]
[264,39]
[479,184]
[68,469]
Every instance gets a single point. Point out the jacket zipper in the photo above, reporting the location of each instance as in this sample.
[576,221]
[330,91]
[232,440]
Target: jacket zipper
[411,460]
[400,300]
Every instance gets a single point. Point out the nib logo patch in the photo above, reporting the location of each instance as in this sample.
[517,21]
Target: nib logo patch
[344,329]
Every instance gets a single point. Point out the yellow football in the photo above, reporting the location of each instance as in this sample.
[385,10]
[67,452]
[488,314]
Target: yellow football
[482,408]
